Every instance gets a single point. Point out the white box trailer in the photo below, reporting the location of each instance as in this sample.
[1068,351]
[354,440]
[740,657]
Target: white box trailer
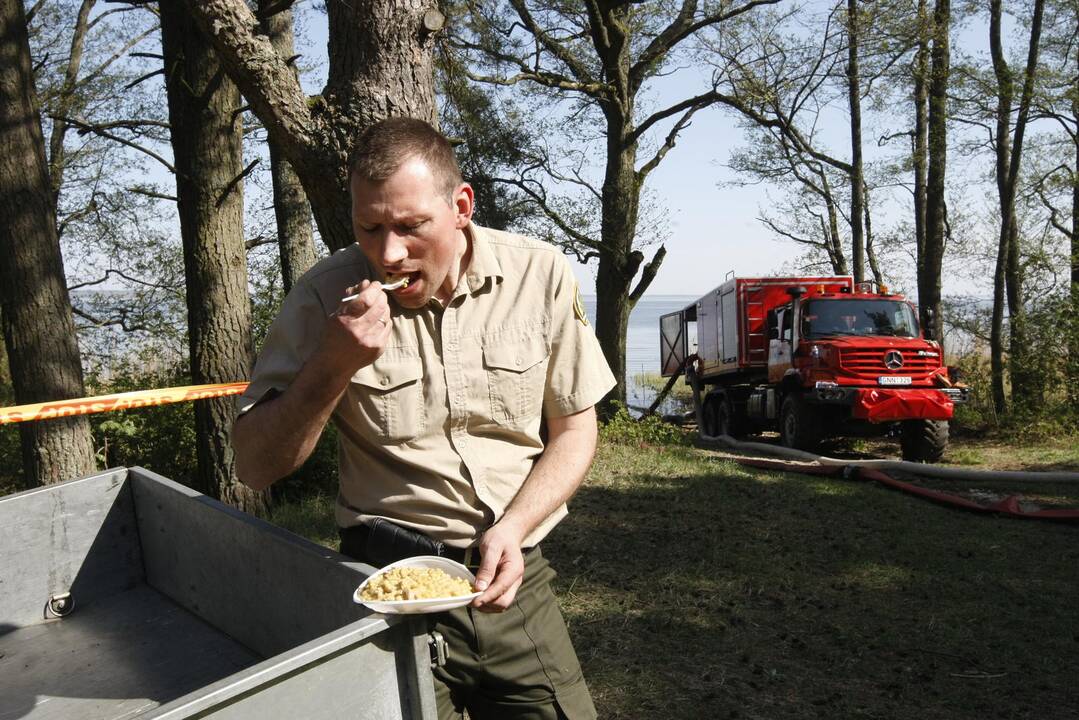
[126,595]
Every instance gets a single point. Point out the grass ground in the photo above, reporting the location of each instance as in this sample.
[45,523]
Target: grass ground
[696,588]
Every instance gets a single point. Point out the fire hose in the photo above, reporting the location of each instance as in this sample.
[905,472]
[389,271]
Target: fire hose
[807,463]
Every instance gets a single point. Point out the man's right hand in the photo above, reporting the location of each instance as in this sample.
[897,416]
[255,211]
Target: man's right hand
[357,332]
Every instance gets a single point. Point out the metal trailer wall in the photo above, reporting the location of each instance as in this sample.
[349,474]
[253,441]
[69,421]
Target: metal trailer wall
[186,608]
[731,332]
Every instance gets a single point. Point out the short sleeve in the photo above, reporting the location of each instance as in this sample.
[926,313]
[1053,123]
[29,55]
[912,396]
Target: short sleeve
[577,373]
[291,339]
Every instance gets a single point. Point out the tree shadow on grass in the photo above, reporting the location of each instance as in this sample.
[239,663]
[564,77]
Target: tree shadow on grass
[725,592]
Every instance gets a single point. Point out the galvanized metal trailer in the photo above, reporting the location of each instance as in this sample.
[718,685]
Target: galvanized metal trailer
[126,595]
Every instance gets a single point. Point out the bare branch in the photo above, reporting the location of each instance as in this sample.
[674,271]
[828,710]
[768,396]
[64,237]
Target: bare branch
[551,213]
[547,79]
[32,12]
[121,321]
[274,8]
[111,271]
[648,274]
[147,76]
[692,104]
[672,137]
[236,181]
[679,29]
[88,127]
[151,193]
[578,68]
[779,231]
[116,56]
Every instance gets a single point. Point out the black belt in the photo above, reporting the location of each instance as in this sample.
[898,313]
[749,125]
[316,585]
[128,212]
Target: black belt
[382,542]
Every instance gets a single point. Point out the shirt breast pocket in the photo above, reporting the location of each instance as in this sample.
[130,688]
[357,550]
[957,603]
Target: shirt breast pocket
[389,395]
[516,377]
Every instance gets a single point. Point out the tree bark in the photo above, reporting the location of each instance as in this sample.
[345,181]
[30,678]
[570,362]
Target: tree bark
[206,135]
[929,281]
[1027,386]
[294,236]
[68,97]
[870,250]
[857,181]
[380,66]
[38,326]
[1072,324]
[921,134]
[1005,93]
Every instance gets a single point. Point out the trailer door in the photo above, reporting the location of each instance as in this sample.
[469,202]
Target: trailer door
[672,343]
[728,310]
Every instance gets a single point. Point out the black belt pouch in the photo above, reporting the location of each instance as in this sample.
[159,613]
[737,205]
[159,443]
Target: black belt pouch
[381,542]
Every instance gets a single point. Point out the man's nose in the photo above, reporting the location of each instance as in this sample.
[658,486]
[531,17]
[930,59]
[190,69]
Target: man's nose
[394,250]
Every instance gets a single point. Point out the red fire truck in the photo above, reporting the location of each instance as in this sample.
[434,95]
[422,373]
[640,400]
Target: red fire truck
[812,357]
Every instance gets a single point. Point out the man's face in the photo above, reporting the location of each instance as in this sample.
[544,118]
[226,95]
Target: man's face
[406,225]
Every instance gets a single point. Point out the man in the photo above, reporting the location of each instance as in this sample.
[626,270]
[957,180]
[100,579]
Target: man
[464,403]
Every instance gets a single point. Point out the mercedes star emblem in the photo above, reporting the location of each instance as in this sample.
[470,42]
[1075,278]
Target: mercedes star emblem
[893,359]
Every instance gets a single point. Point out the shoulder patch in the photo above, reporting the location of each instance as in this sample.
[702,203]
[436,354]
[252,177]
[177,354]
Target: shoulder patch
[578,305]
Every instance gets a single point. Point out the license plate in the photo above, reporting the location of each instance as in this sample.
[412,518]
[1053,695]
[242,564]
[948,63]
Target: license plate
[894,380]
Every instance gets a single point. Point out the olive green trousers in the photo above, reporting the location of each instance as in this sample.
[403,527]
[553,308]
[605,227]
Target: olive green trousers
[515,664]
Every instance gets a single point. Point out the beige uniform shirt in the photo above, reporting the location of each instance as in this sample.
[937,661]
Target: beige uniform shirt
[440,432]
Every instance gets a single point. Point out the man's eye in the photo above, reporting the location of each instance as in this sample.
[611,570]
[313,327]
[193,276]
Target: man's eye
[369,229]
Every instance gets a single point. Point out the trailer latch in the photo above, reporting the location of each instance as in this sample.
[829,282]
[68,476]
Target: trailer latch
[59,605]
[439,649]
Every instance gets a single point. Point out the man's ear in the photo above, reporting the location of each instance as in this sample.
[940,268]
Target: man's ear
[464,203]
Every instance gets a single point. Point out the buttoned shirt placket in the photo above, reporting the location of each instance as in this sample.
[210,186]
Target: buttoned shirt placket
[457,390]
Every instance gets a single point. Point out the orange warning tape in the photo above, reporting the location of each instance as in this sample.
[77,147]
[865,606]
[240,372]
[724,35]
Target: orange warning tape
[117,401]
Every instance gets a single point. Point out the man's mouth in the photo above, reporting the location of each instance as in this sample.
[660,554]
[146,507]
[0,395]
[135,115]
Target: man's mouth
[411,277]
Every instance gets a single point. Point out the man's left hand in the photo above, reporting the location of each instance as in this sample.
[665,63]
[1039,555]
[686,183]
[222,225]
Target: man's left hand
[501,569]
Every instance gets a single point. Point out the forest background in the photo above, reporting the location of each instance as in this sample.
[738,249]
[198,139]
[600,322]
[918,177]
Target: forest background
[162,186]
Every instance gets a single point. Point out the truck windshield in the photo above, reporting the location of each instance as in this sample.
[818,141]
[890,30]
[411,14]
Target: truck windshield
[857,316]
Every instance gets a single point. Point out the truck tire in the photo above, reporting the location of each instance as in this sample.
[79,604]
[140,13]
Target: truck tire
[728,421]
[924,440]
[798,426]
[710,416]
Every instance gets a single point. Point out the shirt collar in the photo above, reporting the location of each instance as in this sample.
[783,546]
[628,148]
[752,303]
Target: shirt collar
[483,264]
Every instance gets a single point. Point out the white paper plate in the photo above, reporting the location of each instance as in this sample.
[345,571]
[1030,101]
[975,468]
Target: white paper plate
[431,605]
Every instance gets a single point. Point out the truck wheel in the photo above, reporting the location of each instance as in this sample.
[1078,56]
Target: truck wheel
[798,428]
[727,420]
[710,416]
[924,440]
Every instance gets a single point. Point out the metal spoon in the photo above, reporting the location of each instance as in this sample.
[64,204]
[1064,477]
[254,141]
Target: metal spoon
[395,285]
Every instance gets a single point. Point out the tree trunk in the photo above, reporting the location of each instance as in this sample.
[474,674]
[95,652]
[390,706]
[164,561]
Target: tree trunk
[1026,383]
[929,281]
[206,135]
[618,264]
[68,98]
[38,326]
[921,135]
[857,182]
[6,395]
[1005,93]
[381,65]
[1073,316]
[836,240]
[870,250]
[293,212]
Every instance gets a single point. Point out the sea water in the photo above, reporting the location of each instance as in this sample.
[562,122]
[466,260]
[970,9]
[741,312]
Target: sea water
[642,339]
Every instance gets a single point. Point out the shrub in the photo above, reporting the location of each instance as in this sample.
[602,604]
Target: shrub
[624,429]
